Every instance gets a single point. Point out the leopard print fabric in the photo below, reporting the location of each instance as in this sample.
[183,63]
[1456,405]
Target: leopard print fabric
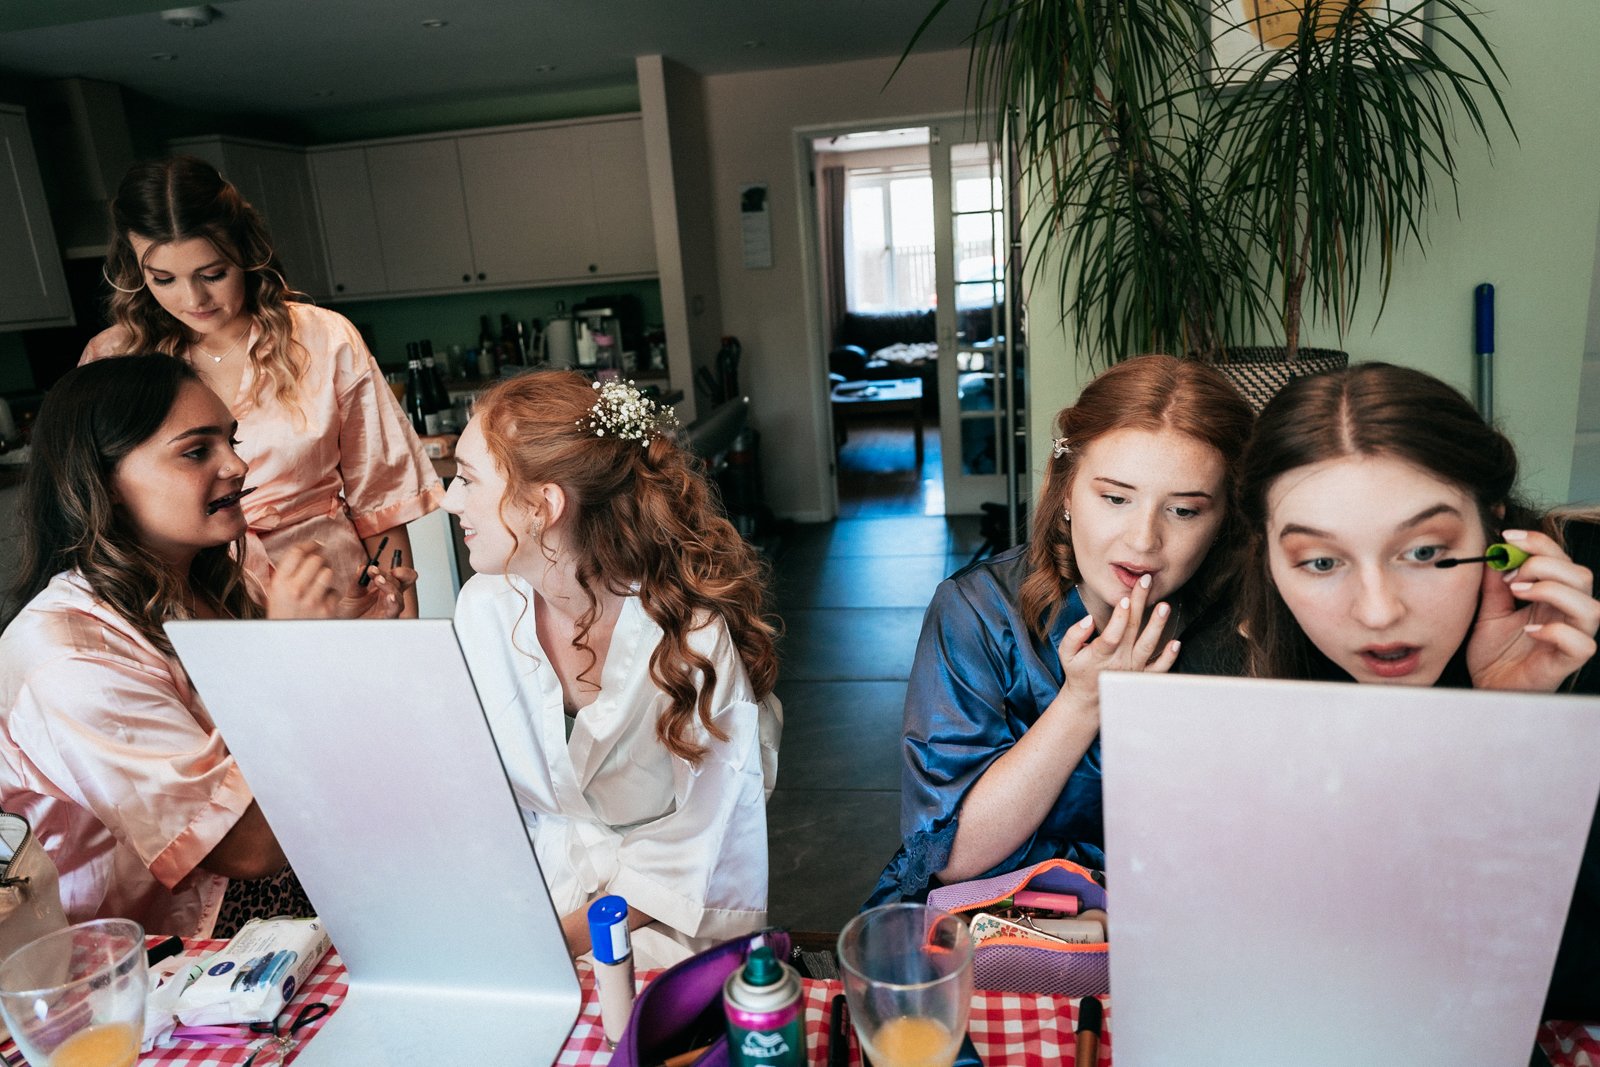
[262,898]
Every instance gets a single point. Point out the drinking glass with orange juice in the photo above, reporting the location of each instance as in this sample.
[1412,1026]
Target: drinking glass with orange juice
[907,972]
[75,998]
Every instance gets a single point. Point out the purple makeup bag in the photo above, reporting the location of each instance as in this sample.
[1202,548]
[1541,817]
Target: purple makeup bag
[1023,965]
[682,1008]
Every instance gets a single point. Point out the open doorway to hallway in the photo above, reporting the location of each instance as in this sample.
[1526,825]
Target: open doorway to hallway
[875,229]
[914,242]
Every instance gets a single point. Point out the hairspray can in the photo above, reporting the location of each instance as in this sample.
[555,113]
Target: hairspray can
[762,1002]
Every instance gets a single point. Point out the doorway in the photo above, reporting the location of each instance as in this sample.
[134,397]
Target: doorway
[913,246]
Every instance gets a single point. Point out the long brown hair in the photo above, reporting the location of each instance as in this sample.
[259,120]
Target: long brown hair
[642,514]
[1153,392]
[178,199]
[93,417]
[1371,409]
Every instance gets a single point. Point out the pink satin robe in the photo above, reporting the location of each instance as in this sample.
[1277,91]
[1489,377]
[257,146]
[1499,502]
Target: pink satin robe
[347,466]
[107,751]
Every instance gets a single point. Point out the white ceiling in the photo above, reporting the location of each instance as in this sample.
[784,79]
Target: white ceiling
[298,58]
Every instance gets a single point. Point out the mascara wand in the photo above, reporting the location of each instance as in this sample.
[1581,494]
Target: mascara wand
[1499,557]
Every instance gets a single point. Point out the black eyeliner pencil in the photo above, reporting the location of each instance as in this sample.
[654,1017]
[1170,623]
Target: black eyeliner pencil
[838,1032]
[366,571]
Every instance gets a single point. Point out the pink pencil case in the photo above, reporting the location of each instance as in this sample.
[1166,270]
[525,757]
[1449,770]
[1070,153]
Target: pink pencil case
[1025,965]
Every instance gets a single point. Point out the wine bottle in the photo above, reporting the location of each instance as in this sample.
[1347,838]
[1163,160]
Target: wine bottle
[435,396]
[416,397]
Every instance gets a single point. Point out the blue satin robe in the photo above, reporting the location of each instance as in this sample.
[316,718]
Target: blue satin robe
[980,680]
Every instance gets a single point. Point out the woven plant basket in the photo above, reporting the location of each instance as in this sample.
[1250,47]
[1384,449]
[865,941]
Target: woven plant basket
[1258,373]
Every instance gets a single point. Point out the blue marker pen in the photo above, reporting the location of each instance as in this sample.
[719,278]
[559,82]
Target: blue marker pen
[613,964]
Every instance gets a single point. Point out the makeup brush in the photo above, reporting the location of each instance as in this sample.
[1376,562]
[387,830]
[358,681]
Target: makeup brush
[1500,557]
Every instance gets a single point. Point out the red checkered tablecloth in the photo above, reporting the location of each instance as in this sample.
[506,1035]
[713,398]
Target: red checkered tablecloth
[1009,1029]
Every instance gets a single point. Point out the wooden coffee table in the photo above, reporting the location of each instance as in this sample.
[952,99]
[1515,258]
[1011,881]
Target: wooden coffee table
[885,397]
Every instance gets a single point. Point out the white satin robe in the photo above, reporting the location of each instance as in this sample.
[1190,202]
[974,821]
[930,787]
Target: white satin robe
[611,810]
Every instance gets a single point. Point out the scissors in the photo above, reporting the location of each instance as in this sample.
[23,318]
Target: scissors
[281,1042]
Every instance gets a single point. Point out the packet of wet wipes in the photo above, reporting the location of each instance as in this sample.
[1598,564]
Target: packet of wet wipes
[255,974]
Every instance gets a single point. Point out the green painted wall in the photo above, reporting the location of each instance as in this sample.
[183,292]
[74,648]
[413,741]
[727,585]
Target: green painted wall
[1527,224]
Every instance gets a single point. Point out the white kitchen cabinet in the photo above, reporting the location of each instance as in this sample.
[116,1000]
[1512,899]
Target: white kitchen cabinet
[491,209]
[33,285]
[560,202]
[621,238]
[422,215]
[526,207]
[276,179]
[349,223]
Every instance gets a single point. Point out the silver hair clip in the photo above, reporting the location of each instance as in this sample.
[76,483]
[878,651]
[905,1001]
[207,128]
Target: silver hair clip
[1060,448]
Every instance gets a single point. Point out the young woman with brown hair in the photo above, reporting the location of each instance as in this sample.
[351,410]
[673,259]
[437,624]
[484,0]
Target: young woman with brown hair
[194,275]
[1002,757]
[615,633]
[1355,485]
[130,515]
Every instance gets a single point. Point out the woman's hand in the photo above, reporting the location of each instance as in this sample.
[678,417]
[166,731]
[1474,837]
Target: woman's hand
[1536,625]
[1116,649]
[384,596]
[303,586]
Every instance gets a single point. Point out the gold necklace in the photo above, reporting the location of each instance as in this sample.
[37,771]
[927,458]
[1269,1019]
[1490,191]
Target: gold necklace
[226,354]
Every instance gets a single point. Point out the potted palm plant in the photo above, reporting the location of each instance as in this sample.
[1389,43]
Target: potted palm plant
[1187,196]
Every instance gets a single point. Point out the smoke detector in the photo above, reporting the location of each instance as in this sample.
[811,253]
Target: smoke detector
[189,17]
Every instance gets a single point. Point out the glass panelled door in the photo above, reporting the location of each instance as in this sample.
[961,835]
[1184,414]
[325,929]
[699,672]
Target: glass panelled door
[981,399]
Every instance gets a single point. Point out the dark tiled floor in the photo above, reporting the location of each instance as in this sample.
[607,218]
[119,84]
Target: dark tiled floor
[852,594]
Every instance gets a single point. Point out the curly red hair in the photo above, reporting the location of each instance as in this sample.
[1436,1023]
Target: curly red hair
[637,513]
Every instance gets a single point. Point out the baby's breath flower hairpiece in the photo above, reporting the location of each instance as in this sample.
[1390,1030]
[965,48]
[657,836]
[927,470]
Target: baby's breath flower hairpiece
[1060,447]
[621,410]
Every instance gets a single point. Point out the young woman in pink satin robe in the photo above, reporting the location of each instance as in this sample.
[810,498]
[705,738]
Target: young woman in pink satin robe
[130,509]
[336,461]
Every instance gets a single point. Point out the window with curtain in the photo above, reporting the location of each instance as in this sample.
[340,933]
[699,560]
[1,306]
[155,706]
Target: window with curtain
[888,227]
[889,239]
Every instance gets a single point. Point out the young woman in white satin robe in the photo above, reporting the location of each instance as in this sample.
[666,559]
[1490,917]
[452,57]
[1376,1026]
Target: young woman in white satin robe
[614,632]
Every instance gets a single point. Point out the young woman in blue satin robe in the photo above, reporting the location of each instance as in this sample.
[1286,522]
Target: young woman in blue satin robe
[1124,570]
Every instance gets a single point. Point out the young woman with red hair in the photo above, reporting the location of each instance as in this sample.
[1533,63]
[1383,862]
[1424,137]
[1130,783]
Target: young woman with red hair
[1002,752]
[616,636]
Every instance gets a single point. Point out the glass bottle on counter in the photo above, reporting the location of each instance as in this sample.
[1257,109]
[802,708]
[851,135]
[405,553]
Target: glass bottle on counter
[416,395]
[438,397]
[487,365]
[536,354]
[512,341]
